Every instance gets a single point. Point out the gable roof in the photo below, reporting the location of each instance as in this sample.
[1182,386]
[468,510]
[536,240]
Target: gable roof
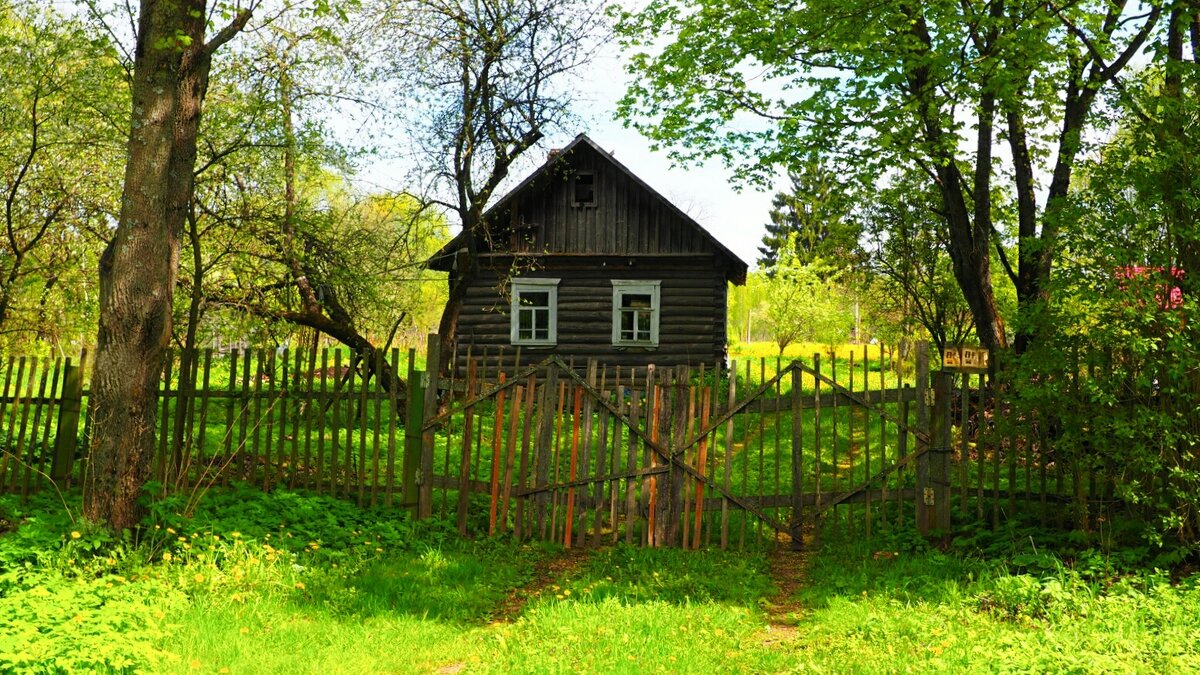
[441,260]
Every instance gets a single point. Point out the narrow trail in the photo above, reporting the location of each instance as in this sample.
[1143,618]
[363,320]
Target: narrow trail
[545,573]
[789,571]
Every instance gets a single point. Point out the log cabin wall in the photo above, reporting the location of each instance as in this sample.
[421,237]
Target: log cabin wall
[691,323]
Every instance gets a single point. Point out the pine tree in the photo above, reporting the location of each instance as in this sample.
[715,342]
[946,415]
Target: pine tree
[815,216]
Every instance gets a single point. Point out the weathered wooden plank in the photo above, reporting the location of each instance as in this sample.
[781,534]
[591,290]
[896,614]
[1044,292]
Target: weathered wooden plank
[464,467]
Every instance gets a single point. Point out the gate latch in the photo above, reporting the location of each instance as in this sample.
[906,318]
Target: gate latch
[929,496]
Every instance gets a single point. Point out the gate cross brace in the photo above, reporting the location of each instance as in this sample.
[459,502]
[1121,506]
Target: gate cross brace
[737,408]
[518,378]
[636,473]
[902,424]
[665,453]
[866,485]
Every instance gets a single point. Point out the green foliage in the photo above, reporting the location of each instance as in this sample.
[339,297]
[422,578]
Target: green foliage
[807,304]
[812,222]
[63,106]
[873,609]
[912,286]
[1111,386]
[633,574]
[237,587]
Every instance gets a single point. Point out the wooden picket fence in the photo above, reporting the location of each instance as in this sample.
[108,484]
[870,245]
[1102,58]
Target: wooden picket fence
[743,454]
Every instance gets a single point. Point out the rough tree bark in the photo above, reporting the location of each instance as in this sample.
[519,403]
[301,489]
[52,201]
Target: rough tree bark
[138,268]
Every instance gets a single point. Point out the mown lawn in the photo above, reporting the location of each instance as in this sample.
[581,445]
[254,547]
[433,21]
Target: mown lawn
[290,583]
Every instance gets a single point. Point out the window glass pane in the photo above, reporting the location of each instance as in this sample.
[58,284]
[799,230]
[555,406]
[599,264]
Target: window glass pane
[643,325]
[541,319]
[524,320]
[635,300]
[534,298]
[585,189]
[626,321]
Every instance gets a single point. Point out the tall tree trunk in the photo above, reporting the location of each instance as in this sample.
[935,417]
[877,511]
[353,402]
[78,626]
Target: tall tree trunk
[969,240]
[138,268]
[466,268]
[1174,139]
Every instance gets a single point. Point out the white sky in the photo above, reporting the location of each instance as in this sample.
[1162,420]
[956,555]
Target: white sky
[735,218]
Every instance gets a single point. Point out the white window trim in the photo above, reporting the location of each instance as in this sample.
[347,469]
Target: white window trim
[515,286]
[621,287]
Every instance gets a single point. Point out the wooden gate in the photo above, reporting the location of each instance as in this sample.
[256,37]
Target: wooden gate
[671,457]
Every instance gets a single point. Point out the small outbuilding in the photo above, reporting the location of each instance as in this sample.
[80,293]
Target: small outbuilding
[585,260]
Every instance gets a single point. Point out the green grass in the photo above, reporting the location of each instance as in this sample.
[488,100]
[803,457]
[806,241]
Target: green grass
[294,583]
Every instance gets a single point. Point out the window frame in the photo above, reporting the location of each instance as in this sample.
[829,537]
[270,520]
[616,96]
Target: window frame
[533,285]
[623,287]
[575,190]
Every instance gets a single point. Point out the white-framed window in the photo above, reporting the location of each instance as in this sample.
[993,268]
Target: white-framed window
[534,315]
[636,312]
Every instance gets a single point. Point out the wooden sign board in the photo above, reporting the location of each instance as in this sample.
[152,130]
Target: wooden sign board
[965,359]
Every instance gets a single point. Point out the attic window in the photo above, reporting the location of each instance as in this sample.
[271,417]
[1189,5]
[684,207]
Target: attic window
[584,189]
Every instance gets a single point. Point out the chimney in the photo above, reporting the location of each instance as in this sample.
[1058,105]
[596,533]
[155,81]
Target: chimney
[553,154]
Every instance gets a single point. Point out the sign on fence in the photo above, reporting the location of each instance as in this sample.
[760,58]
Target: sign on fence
[965,359]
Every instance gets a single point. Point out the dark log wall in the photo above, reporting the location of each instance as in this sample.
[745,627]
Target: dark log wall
[627,218]
[691,325]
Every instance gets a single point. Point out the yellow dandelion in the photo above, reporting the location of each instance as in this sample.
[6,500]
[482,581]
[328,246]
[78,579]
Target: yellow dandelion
[300,585]
[244,630]
[567,592]
[216,538]
[170,530]
[183,539]
[76,535]
[167,556]
[559,596]
[195,664]
[236,535]
[199,578]
[223,670]
[379,550]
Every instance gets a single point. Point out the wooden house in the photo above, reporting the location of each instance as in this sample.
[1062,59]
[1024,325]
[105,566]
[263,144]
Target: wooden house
[586,260]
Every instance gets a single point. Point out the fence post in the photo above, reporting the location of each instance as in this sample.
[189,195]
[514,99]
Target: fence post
[68,424]
[797,524]
[925,495]
[429,407]
[939,454]
[414,439]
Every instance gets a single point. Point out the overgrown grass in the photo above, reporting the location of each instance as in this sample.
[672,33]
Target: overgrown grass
[295,583]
